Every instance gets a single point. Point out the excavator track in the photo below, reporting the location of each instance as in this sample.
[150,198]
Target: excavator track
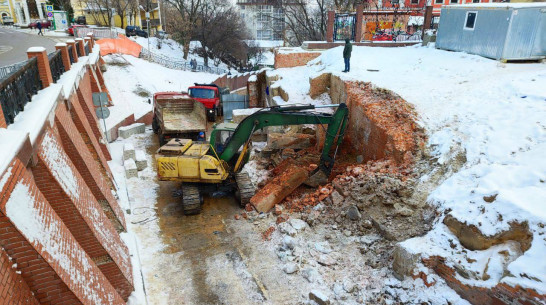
[191,199]
[245,188]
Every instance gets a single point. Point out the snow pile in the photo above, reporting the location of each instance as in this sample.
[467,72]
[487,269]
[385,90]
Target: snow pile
[490,115]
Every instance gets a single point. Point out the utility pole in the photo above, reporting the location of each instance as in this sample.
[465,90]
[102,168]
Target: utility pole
[148,26]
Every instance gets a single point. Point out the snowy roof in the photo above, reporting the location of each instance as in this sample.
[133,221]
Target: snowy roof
[498,5]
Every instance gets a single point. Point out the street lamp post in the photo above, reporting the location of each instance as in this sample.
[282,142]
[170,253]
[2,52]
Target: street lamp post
[148,27]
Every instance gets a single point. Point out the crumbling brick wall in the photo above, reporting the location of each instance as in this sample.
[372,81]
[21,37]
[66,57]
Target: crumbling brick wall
[293,59]
[381,124]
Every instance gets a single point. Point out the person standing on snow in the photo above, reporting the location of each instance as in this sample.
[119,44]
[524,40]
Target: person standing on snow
[39,26]
[347,54]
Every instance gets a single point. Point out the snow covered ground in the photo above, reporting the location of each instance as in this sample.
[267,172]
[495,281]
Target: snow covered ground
[132,81]
[493,115]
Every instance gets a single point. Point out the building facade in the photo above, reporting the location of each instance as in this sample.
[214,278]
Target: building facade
[23,12]
[135,14]
[264,18]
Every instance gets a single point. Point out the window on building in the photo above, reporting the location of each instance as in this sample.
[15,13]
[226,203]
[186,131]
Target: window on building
[414,1]
[454,1]
[470,20]
[439,1]
[476,1]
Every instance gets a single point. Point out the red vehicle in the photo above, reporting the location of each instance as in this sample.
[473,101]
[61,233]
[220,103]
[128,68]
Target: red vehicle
[72,29]
[210,95]
[46,24]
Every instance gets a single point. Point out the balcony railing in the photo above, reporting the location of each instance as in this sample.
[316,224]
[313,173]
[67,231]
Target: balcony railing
[17,89]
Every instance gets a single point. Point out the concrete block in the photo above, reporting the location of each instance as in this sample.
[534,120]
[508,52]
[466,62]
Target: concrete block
[140,160]
[127,131]
[130,169]
[128,151]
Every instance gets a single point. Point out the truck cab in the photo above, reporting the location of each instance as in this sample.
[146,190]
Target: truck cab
[210,96]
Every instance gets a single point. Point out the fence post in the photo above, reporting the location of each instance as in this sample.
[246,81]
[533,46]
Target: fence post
[91,40]
[64,54]
[330,26]
[43,65]
[81,46]
[3,123]
[358,30]
[72,43]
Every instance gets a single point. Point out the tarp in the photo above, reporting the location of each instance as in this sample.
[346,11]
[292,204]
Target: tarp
[120,45]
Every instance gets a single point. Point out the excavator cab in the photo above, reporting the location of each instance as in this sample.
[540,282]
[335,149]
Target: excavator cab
[220,136]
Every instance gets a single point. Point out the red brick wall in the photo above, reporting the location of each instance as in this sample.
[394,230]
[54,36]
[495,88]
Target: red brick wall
[52,263]
[294,59]
[13,288]
[85,97]
[61,184]
[87,166]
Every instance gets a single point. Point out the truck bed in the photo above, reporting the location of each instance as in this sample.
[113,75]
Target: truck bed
[181,116]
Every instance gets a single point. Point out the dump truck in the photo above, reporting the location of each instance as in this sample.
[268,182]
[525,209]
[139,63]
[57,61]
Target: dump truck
[177,115]
[213,168]
[210,95]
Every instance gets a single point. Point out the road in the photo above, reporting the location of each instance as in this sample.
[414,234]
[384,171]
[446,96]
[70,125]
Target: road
[209,258]
[14,44]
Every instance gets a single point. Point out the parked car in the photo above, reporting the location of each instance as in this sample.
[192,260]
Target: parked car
[45,24]
[80,20]
[72,29]
[7,20]
[132,30]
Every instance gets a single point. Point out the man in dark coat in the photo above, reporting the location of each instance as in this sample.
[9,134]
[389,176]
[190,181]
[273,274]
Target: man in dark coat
[347,54]
[39,26]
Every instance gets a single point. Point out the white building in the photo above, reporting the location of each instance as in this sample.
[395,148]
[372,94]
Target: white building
[264,18]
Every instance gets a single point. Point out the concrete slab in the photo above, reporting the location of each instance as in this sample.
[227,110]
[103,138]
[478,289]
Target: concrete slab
[127,131]
[128,151]
[140,160]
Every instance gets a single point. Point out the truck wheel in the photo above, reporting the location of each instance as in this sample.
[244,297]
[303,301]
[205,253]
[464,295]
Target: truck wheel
[155,126]
[245,189]
[161,137]
[191,199]
[212,116]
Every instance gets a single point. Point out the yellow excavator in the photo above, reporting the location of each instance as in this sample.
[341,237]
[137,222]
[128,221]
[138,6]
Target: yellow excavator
[213,167]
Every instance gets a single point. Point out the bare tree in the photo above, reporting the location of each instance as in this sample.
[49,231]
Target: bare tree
[100,10]
[122,8]
[221,32]
[189,11]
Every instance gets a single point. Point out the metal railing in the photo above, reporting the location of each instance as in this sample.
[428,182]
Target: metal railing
[87,48]
[177,64]
[77,46]
[97,32]
[56,64]
[18,88]
[71,54]
[8,70]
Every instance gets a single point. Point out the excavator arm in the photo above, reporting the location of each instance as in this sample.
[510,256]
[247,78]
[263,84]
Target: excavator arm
[290,115]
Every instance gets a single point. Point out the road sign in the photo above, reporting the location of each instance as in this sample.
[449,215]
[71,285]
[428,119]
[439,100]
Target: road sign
[100,99]
[50,14]
[102,112]
[49,8]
